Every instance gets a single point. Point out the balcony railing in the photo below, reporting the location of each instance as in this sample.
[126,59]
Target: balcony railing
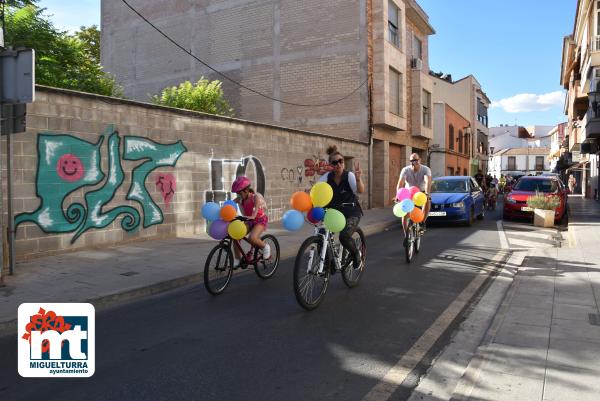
[596,43]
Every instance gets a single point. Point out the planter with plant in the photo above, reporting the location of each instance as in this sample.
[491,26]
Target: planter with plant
[544,208]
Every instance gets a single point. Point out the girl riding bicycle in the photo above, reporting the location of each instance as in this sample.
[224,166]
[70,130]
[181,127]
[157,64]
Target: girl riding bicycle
[346,186]
[253,207]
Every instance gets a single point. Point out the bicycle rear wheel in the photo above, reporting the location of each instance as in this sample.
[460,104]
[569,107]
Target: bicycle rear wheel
[218,269]
[310,285]
[409,248]
[266,268]
[351,274]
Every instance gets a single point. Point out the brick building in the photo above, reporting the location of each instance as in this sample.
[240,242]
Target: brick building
[371,53]
[450,153]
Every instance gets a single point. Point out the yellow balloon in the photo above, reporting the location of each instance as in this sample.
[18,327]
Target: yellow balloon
[237,230]
[321,194]
[419,198]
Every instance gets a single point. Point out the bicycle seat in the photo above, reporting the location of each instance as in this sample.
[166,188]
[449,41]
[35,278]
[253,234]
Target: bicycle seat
[241,218]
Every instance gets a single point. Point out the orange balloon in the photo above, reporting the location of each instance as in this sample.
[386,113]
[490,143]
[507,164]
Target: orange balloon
[301,201]
[417,215]
[228,213]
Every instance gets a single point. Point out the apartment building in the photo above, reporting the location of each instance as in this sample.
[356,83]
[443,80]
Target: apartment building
[449,154]
[468,99]
[368,58]
[519,161]
[580,77]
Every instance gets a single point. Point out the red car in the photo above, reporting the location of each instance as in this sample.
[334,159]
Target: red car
[515,201]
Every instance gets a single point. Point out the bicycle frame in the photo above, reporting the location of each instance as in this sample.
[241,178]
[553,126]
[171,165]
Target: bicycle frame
[327,239]
[248,257]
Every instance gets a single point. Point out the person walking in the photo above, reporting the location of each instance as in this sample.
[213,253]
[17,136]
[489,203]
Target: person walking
[572,183]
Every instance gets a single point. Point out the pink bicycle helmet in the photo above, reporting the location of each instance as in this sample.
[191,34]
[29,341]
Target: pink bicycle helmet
[240,183]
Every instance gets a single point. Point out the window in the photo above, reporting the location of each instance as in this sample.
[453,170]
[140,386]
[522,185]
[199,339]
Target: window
[450,170]
[466,143]
[417,47]
[465,171]
[512,163]
[451,136]
[539,163]
[598,18]
[393,24]
[426,100]
[460,141]
[395,81]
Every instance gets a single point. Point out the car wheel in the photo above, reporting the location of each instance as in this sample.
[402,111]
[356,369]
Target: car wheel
[471,217]
[481,215]
[505,216]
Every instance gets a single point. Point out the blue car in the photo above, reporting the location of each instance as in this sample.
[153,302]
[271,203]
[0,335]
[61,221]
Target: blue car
[456,199]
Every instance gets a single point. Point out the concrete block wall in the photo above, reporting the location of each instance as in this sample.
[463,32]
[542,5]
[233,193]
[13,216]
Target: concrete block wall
[287,157]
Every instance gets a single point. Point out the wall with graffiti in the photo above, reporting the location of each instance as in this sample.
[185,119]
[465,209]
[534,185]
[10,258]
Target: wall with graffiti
[89,172]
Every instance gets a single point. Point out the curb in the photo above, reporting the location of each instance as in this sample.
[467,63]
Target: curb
[109,300]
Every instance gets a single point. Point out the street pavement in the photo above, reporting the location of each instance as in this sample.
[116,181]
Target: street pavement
[542,341]
[254,342]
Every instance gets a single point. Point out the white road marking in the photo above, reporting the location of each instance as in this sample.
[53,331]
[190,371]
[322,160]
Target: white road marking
[397,374]
[502,234]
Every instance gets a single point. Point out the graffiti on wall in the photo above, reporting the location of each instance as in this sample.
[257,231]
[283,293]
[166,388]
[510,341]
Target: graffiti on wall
[224,171]
[292,174]
[67,164]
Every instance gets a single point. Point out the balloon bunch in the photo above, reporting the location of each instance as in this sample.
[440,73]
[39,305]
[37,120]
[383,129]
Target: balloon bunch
[320,195]
[221,220]
[408,198]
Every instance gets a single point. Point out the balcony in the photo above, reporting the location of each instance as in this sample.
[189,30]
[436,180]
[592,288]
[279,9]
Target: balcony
[591,121]
[421,108]
[593,51]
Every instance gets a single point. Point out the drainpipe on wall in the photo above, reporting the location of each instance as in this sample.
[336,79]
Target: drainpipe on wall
[370,94]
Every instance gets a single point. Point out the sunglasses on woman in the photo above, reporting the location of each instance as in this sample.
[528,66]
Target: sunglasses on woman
[336,162]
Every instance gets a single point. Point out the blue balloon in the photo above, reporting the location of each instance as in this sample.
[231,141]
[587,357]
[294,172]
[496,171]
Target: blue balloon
[318,213]
[231,202]
[407,205]
[211,211]
[292,220]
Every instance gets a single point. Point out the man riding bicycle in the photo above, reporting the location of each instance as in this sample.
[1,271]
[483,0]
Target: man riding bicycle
[416,175]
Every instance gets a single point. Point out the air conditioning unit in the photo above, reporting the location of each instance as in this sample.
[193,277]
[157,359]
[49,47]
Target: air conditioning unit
[416,64]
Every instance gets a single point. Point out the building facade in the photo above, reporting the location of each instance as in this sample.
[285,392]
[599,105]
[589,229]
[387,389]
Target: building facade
[366,59]
[580,77]
[519,161]
[449,154]
[468,98]
[513,136]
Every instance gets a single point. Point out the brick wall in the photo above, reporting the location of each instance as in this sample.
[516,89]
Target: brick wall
[209,149]
[307,52]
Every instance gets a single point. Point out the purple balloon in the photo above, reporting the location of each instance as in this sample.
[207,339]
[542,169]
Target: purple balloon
[403,193]
[218,229]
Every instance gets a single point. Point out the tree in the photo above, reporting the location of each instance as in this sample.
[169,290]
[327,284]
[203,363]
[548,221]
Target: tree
[206,96]
[90,39]
[62,60]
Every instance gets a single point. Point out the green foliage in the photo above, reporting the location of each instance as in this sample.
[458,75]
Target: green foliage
[62,60]
[541,201]
[205,96]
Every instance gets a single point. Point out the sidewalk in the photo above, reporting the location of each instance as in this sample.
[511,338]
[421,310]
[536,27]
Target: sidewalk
[544,341]
[117,274]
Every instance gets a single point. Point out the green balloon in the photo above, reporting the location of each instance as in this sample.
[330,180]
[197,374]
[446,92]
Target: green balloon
[398,212]
[334,220]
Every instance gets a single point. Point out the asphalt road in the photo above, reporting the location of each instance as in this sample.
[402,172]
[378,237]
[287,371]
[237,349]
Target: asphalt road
[254,342]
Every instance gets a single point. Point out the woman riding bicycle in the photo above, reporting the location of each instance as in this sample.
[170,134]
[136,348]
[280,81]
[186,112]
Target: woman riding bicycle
[346,187]
[253,207]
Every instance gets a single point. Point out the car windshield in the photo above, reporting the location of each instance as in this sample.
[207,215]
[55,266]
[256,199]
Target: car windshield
[449,186]
[536,185]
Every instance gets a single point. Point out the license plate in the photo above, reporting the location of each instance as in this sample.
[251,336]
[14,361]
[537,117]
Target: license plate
[526,209]
[437,213]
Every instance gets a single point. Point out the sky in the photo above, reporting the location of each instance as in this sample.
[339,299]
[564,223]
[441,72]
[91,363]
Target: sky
[512,47]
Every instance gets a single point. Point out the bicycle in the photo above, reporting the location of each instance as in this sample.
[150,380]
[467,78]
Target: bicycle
[318,257]
[413,240]
[217,277]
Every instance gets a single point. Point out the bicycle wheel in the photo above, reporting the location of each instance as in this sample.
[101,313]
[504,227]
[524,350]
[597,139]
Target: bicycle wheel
[409,249]
[218,269]
[266,268]
[417,238]
[350,273]
[310,285]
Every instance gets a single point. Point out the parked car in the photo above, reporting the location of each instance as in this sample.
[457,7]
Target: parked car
[515,201]
[456,199]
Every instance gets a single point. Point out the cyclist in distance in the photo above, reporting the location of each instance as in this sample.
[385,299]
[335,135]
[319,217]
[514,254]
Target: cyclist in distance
[253,207]
[416,175]
[346,186]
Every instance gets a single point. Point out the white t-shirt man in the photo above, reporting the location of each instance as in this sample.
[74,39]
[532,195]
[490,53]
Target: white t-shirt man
[415,178]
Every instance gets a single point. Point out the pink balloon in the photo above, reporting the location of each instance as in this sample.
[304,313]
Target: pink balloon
[403,193]
[413,191]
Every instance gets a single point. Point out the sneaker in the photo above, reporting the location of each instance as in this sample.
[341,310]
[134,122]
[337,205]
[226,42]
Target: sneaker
[267,251]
